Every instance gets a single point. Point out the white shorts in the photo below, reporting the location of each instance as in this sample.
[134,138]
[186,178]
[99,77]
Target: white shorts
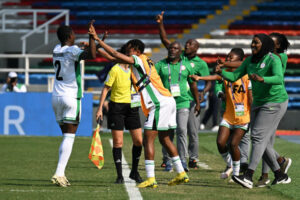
[162,117]
[231,127]
[66,109]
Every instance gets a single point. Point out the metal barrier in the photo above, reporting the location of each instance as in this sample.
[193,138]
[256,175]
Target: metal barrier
[26,70]
[44,27]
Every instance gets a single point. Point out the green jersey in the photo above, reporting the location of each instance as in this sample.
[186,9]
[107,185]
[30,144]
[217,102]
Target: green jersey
[284,59]
[219,87]
[179,74]
[272,90]
[199,66]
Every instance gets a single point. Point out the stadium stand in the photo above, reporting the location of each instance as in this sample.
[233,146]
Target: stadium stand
[135,19]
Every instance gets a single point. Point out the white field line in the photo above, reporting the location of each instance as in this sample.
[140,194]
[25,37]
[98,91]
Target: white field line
[130,185]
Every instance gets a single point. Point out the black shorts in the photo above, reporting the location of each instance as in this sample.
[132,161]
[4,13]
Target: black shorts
[121,114]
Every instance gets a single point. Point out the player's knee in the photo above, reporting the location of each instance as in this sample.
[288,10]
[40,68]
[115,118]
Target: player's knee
[221,145]
[138,142]
[118,144]
[233,145]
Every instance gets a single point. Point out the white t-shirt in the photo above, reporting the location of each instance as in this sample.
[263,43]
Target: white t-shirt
[18,88]
[67,71]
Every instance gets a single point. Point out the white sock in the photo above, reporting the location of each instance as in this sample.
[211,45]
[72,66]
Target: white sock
[149,165]
[227,158]
[65,151]
[177,164]
[236,168]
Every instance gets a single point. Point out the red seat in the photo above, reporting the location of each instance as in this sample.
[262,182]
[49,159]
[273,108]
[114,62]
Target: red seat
[253,32]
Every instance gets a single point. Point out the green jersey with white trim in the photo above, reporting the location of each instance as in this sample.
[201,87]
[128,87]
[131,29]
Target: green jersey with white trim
[272,90]
[179,75]
[199,66]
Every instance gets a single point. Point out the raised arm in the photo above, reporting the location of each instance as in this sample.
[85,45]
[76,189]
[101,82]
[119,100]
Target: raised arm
[227,64]
[206,78]
[90,52]
[162,31]
[120,58]
[233,76]
[106,55]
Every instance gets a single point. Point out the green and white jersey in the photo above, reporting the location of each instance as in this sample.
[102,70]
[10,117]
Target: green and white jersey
[272,90]
[199,66]
[179,75]
[68,81]
[284,59]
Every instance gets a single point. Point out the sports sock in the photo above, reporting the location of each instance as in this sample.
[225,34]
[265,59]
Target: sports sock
[177,164]
[149,165]
[236,168]
[136,154]
[117,154]
[278,173]
[65,151]
[227,158]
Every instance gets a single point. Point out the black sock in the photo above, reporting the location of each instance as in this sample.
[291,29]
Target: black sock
[117,154]
[249,173]
[136,154]
[278,173]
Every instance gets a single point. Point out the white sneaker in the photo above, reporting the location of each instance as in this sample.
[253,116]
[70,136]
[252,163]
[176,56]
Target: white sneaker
[226,173]
[215,129]
[61,181]
[202,126]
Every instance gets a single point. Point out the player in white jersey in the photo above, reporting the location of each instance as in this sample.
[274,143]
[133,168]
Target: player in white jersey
[67,94]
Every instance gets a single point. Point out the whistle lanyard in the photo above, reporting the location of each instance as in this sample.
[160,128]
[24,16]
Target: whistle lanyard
[170,72]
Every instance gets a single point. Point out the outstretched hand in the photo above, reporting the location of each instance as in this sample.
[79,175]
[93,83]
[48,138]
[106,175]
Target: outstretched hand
[219,61]
[218,69]
[160,17]
[194,77]
[92,32]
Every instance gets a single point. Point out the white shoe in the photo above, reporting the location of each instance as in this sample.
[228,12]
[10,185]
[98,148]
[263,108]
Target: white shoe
[215,129]
[61,181]
[202,126]
[226,173]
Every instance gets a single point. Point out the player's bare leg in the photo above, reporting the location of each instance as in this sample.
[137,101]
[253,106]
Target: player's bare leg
[65,151]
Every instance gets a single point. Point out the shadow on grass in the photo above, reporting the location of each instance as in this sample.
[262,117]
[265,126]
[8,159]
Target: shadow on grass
[47,182]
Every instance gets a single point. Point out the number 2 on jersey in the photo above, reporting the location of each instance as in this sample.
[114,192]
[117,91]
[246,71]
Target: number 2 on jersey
[58,66]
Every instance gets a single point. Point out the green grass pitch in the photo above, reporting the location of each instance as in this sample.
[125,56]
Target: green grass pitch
[27,164]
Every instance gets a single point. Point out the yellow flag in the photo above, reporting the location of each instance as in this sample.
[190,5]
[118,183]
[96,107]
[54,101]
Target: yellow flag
[96,150]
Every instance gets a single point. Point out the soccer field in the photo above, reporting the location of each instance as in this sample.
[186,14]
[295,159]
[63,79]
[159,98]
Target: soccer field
[27,164]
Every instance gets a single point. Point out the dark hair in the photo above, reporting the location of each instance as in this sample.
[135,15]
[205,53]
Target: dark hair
[239,52]
[283,41]
[63,33]
[176,42]
[136,44]
[122,49]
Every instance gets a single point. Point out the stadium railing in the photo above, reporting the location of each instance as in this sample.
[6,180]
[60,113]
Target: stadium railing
[27,70]
[35,28]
